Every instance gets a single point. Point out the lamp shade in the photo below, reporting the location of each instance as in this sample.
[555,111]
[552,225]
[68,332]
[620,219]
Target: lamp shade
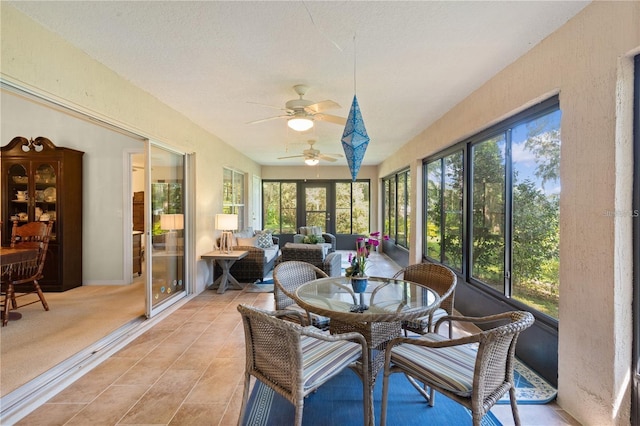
[226,222]
[171,222]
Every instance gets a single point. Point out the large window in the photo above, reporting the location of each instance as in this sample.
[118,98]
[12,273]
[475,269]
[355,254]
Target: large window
[233,200]
[492,208]
[444,203]
[352,207]
[347,211]
[396,207]
[279,201]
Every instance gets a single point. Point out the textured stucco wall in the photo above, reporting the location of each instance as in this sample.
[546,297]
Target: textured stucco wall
[39,60]
[588,63]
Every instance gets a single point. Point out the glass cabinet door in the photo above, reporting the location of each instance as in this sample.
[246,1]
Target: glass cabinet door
[19,193]
[45,194]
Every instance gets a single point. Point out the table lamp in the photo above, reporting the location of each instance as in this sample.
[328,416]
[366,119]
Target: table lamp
[227,223]
[171,223]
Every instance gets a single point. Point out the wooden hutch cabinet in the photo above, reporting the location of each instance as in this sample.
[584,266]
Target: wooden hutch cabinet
[41,181]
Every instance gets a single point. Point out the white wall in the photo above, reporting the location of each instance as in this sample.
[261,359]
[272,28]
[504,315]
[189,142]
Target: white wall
[588,63]
[103,174]
[38,60]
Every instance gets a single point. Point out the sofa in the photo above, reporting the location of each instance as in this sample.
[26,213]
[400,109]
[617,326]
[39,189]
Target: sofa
[304,231]
[331,264]
[260,260]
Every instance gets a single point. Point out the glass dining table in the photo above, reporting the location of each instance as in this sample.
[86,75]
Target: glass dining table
[377,313]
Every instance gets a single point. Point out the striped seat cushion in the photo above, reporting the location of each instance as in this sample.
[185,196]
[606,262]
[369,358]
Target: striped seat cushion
[316,320]
[321,359]
[451,367]
[423,322]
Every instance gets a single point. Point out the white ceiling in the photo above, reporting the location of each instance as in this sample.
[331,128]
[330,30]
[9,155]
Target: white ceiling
[214,60]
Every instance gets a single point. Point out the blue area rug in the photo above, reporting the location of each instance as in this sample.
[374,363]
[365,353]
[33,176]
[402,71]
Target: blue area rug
[339,402]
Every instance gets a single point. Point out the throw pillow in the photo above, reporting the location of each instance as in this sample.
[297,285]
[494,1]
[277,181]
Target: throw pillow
[251,242]
[265,240]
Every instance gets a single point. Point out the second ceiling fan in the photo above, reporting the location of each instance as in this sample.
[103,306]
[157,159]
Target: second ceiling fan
[313,156]
[301,113]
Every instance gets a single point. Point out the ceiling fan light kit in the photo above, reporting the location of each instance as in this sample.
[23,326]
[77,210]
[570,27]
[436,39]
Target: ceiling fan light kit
[301,113]
[311,161]
[313,156]
[300,124]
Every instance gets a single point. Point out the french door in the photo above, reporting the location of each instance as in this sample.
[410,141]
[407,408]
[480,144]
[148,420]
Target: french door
[168,219]
[317,198]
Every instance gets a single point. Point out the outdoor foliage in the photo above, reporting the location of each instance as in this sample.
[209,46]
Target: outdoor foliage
[533,219]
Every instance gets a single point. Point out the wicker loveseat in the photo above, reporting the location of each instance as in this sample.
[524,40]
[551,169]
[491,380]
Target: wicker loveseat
[313,253]
[315,230]
[257,264]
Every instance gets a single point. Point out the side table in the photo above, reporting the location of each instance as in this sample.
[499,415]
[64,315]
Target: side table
[225,260]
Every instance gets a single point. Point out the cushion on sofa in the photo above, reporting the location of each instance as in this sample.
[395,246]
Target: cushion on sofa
[251,241]
[264,240]
[270,253]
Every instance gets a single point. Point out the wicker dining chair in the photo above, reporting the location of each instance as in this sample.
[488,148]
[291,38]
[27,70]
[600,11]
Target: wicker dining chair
[440,279]
[287,277]
[23,278]
[475,371]
[294,360]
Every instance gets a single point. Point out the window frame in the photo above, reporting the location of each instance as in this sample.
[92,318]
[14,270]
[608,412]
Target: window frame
[300,183]
[503,128]
[237,205]
[390,206]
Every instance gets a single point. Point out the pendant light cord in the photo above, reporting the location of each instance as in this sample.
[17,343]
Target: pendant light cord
[354,64]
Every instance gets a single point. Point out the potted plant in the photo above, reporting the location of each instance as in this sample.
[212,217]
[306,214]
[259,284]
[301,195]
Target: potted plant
[356,271]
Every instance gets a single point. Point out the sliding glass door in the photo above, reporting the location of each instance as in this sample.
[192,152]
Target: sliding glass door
[165,253]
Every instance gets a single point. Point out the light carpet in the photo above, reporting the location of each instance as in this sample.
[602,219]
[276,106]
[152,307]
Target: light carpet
[79,317]
[339,402]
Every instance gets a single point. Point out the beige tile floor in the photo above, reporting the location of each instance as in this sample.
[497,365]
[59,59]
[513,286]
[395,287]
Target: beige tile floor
[187,370]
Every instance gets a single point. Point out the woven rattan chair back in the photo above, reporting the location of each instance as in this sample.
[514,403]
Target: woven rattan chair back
[275,353]
[437,277]
[492,371]
[288,276]
[23,279]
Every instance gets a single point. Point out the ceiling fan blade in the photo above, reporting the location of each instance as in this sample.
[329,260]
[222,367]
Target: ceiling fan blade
[334,155]
[322,106]
[291,156]
[326,158]
[267,119]
[269,106]
[331,118]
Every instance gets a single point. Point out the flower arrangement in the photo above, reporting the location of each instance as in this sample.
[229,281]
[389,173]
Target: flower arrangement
[374,238]
[358,261]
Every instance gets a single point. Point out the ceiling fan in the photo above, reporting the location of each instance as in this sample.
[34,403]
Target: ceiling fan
[313,156]
[301,113]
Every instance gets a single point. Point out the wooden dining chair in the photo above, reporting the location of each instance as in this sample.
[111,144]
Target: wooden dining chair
[22,278]
[438,278]
[293,360]
[287,277]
